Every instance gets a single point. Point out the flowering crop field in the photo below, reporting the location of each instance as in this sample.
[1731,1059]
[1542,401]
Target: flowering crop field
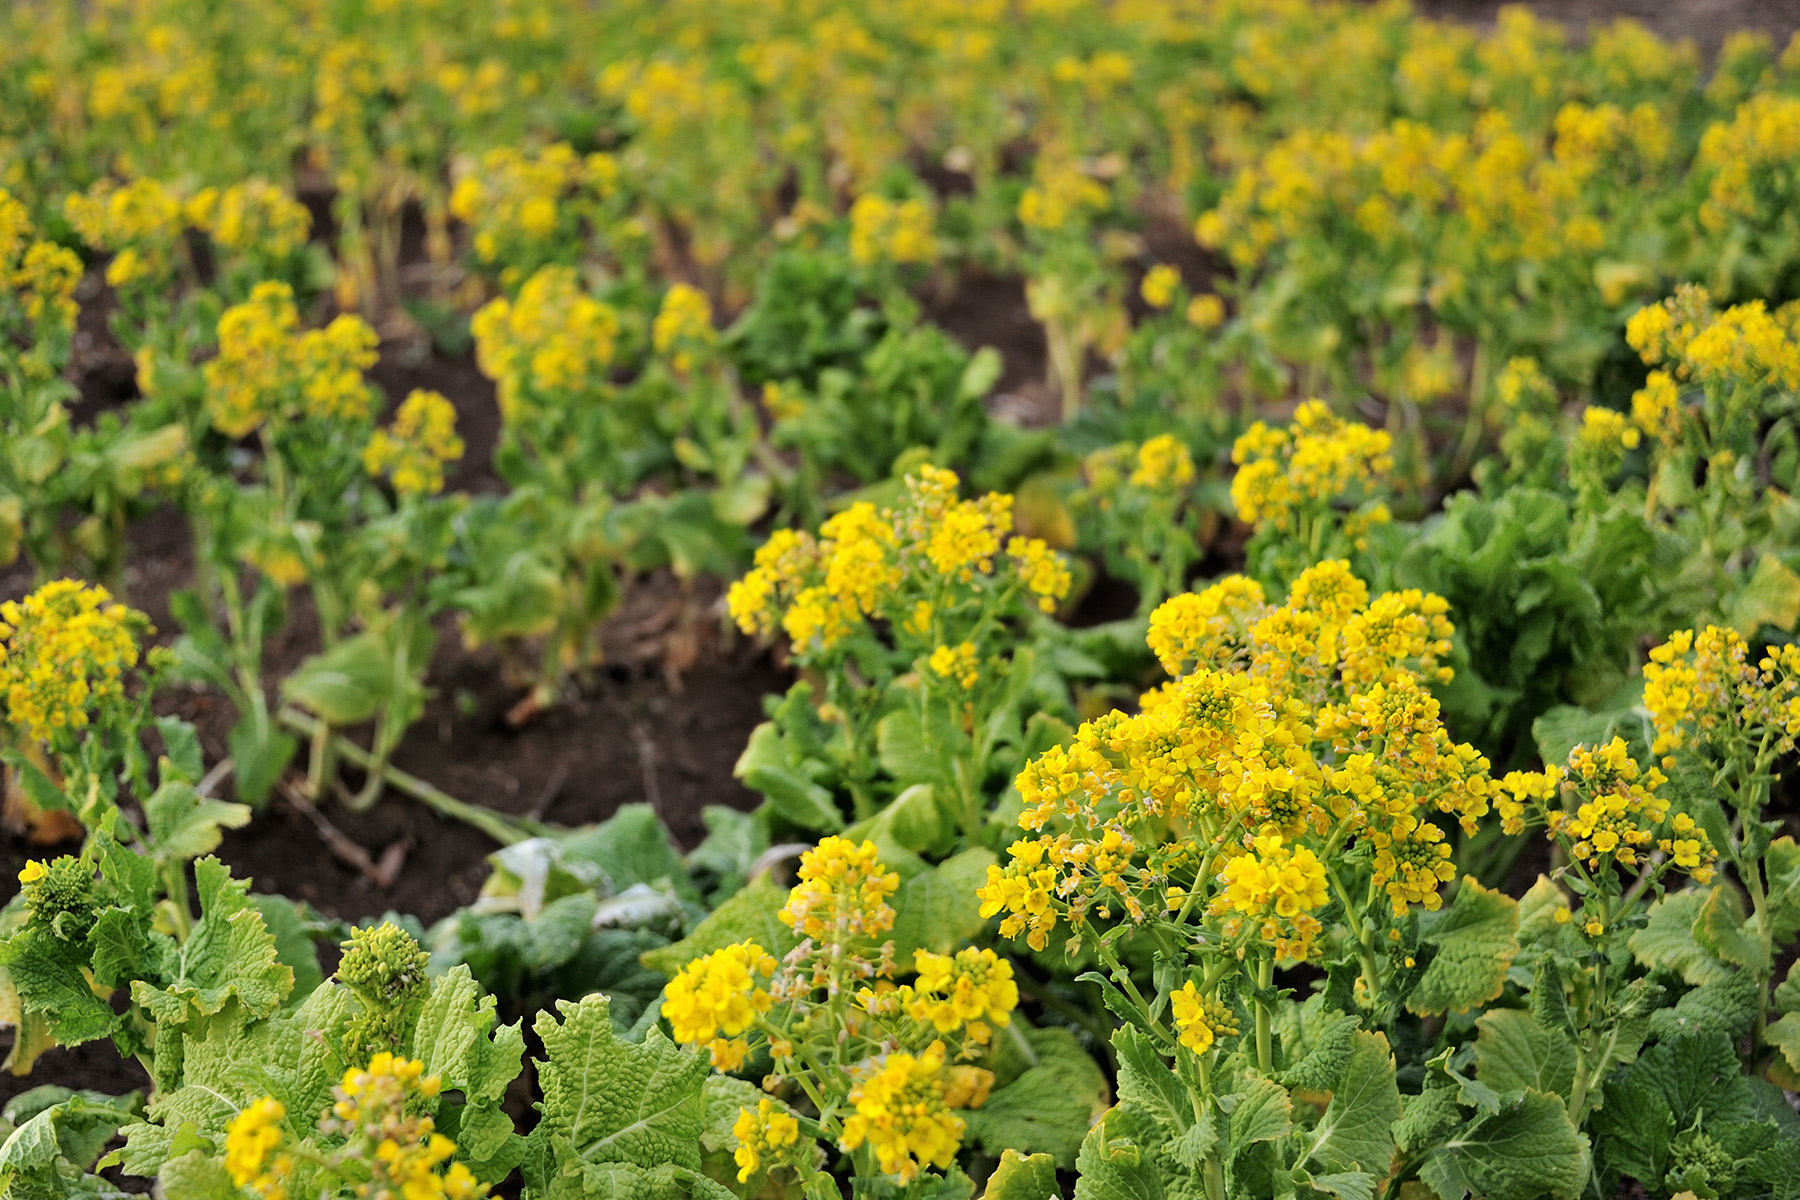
[803,600]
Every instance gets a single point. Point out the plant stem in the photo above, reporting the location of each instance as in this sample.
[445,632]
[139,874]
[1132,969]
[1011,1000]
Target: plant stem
[1265,976]
[507,830]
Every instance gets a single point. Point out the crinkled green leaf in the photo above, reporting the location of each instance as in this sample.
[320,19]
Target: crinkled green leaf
[1356,1132]
[1333,1042]
[1148,1086]
[1034,1114]
[608,1101]
[1632,1127]
[1023,1177]
[46,971]
[1728,1005]
[1526,1151]
[197,1175]
[1476,939]
[1514,1053]
[229,955]
[1781,903]
[183,824]
[1771,596]
[1263,1113]
[1719,927]
[1784,1035]
[1427,1119]
[1113,1167]
[1694,1072]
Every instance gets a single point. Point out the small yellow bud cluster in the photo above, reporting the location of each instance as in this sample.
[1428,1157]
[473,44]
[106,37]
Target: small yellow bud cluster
[64,651]
[713,1001]
[1319,463]
[550,347]
[883,230]
[269,371]
[38,276]
[414,449]
[139,223]
[842,894]
[902,1109]
[683,325]
[767,1137]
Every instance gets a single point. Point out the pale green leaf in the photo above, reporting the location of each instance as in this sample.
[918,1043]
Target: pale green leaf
[1263,1113]
[1356,1132]
[183,824]
[1514,1053]
[1476,939]
[937,909]
[1771,596]
[1023,1177]
[1526,1151]
[1668,940]
[1112,1167]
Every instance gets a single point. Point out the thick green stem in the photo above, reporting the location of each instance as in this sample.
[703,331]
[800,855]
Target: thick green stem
[1265,1053]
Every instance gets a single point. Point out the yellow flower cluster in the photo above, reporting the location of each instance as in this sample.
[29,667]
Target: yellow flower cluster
[1702,688]
[1285,724]
[971,990]
[1618,815]
[139,222]
[683,324]
[1319,461]
[515,197]
[250,1144]
[714,1000]
[413,450]
[371,1107]
[270,371]
[64,651]
[765,1134]
[1744,157]
[1692,339]
[902,1110]
[1163,464]
[550,346]
[253,216]
[883,230]
[1060,192]
[958,663]
[1160,285]
[1278,886]
[885,563]
[39,276]
[391,1154]
[1200,1020]
[842,894]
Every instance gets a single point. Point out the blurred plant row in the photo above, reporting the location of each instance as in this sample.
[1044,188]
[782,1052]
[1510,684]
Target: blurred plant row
[1473,350]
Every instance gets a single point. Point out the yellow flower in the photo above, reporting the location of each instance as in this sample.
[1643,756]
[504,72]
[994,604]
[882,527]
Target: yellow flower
[1318,461]
[32,872]
[1163,464]
[882,230]
[973,989]
[1159,285]
[682,323]
[64,651]
[842,893]
[766,1132]
[1200,1020]
[901,1110]
[553,344]
[412,452]
[715,1000]
[250,1140]
[957,663]
[1206,311]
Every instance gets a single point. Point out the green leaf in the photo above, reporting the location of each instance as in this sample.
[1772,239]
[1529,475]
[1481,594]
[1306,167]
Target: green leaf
[259,756]
[1148,1087]
[1719,927]
[1476,939]
[229,955]
[1263,1113]
[46,972]
[608,1101]
[1633,1127]
[1036,1113]
[1781,904]
[1356,1132]
[196,1175]
[749,916]
[346,684]
[294,946]
[1333,1042]
[1728,1005]
[1514,1053]
[181,746]
[1023,1177]
[937,909]
[1427,1119]
[1694,1072]
[1526,1151]
[38,787]
[1771,596]
[905,750]
[1669,941]
[1113,1167]
[183,824]
[1784,1035]
[631,846]
[766,766]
